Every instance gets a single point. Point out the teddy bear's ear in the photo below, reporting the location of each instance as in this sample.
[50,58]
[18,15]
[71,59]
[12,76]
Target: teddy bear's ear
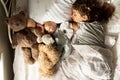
[23,13]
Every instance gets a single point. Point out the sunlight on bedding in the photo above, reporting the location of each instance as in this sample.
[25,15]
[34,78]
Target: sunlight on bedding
[41,14]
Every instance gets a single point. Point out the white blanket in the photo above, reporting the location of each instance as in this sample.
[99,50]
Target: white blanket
[85,62]
[77,65]
[81,65]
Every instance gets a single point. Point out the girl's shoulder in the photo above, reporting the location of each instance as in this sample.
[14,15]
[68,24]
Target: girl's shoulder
[90,25]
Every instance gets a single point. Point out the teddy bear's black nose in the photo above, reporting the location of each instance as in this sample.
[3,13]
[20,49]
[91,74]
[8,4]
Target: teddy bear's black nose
[17,24]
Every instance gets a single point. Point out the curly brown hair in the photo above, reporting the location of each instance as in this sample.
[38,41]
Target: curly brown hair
[94,10]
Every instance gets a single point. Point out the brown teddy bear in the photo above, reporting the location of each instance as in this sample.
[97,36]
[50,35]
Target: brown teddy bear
[48,59]
[36,42]
[48,53]
[23,36]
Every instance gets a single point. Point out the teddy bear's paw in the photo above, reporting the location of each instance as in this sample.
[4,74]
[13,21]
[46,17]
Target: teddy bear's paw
[27,55]
[26,52]
[35,55]
[47,73]
[29,61]
[41,47]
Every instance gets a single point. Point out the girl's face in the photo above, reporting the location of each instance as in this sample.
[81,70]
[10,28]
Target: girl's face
[77,17]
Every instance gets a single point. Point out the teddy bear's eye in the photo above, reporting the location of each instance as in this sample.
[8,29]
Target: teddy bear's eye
[17,24]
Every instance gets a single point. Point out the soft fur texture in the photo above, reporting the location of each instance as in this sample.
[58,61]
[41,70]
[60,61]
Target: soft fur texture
[48,54]
[48,58]
[23,36]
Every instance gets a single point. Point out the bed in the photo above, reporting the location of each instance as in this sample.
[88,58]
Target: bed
[50,10]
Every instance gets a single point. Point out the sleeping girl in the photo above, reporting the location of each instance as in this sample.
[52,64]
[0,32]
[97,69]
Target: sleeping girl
[89,58]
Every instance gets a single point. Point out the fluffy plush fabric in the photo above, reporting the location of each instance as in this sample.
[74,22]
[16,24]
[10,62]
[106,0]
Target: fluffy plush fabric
[48,58]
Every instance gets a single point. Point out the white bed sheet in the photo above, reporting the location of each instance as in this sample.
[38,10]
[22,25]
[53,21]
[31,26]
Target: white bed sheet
[30,72]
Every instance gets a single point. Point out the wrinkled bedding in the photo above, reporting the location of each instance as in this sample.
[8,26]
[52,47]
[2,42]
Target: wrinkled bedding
[87,63]
[82,63]
[88,56]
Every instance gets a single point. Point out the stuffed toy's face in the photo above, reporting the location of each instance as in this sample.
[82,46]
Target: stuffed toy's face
[50,27]
[17,22]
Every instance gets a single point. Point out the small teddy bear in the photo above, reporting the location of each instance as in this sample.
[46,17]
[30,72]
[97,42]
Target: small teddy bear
[23,36]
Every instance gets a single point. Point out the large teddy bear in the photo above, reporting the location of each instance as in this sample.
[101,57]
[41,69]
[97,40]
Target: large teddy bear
[23,36]
[36,41]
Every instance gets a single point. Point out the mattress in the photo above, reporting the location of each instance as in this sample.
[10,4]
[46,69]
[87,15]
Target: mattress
[40,12]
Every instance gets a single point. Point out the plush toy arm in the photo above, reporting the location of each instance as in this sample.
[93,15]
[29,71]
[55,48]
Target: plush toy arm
[27,55]
[14,41]
[47,73]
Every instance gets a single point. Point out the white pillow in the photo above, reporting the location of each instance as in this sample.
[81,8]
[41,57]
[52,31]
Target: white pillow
[113,25]
[37,8]
[59,12]
[110,41]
